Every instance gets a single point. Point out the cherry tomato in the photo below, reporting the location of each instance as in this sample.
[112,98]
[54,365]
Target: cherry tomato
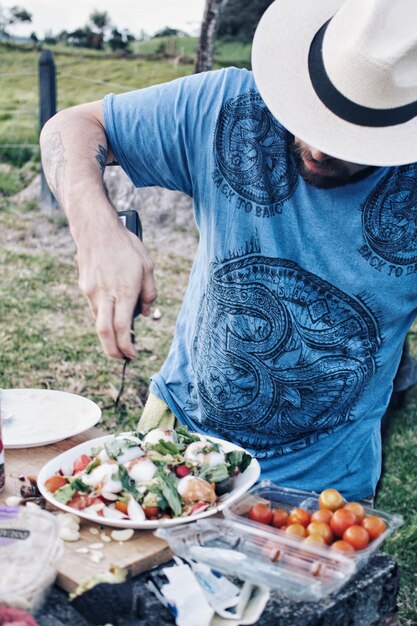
[374,525]
[279,518]
[314,539]
[342,546]
[357,536]
[296,529]
[55,482]
[341,520]
[322,515]
[322,529]
[299,516]
[181,471]
[357,509]
[81,463]
[261,513]
[331,499]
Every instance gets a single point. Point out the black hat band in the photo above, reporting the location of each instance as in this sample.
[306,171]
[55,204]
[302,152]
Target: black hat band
[342,106]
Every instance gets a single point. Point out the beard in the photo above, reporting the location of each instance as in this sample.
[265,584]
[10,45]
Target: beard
[336,172]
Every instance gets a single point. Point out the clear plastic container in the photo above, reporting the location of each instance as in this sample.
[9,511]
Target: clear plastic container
[257,555]
[30,548]
[288,499]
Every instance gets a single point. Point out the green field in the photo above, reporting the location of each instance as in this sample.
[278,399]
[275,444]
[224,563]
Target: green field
[47,337]
[85,75]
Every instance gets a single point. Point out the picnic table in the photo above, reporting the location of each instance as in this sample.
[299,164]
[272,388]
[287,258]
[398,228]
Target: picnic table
[368,599]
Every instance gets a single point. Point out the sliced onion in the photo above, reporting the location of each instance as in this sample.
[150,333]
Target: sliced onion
[113,513]
[103,456]
[129,455]
[94,508]
[135,511]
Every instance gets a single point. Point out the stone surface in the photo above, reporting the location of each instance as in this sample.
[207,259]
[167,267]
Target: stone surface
[367,600]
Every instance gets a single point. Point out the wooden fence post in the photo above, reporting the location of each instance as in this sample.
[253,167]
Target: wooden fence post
[47,108]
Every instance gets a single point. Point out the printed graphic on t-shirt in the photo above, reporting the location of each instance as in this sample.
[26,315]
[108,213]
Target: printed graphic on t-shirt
[280,356]
[256,167]
[389,219]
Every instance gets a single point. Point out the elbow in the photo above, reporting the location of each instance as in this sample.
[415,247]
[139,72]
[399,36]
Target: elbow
[54,124]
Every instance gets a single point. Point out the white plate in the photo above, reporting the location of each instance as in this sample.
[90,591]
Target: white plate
[37,417]
[243,482]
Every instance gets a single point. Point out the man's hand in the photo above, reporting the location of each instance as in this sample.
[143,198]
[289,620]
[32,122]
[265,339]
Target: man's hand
[114,267]
[113,271]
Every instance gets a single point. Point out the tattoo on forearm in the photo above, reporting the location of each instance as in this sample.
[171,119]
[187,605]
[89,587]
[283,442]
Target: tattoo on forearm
[101,157]
[53,163]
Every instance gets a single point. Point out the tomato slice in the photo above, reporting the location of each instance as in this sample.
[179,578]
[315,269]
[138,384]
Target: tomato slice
[81,501]
[121,506]
[55,482]
[81,463]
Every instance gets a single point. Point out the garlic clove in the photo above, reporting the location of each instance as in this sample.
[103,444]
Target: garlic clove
[96,557]
[68,534]
[122,535]
[13,501]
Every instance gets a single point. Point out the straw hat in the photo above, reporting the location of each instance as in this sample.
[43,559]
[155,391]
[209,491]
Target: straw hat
[342,76]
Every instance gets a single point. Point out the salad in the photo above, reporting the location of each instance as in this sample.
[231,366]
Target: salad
[162,474]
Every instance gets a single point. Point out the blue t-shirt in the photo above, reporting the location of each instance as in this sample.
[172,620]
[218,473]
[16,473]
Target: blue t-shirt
[299,299]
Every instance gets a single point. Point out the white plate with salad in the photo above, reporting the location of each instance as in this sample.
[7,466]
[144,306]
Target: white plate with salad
[163,478]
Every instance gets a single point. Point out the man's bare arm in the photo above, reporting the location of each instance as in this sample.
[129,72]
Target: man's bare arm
[114,267]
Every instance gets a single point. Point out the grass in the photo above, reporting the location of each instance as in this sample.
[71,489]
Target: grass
[397,492]
[47,336]
[86,75]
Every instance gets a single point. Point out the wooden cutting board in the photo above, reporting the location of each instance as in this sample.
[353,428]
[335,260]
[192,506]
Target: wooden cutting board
[139,554]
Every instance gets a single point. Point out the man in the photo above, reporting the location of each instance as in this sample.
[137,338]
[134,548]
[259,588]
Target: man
[303,286]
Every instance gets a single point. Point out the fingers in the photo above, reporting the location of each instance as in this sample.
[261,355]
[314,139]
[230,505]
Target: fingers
[148,292]
[105,328]
[122,321]
[112,276]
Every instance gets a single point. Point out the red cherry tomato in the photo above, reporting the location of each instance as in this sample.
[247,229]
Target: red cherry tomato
[314,539]
[322,529]
[322,515]
[341,520]
[279,518]
[374,525]
[299,516]
[331,499]
[357,536]
[181,471]
[342,546]
[296,529]
[261,513]
[357,509]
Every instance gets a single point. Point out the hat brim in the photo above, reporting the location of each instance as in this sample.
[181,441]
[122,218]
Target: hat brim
[280,67]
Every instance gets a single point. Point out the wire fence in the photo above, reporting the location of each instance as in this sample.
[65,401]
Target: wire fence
[20,105]
[80,78]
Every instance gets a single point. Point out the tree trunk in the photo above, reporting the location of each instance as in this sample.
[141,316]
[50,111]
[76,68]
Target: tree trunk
[205,51]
